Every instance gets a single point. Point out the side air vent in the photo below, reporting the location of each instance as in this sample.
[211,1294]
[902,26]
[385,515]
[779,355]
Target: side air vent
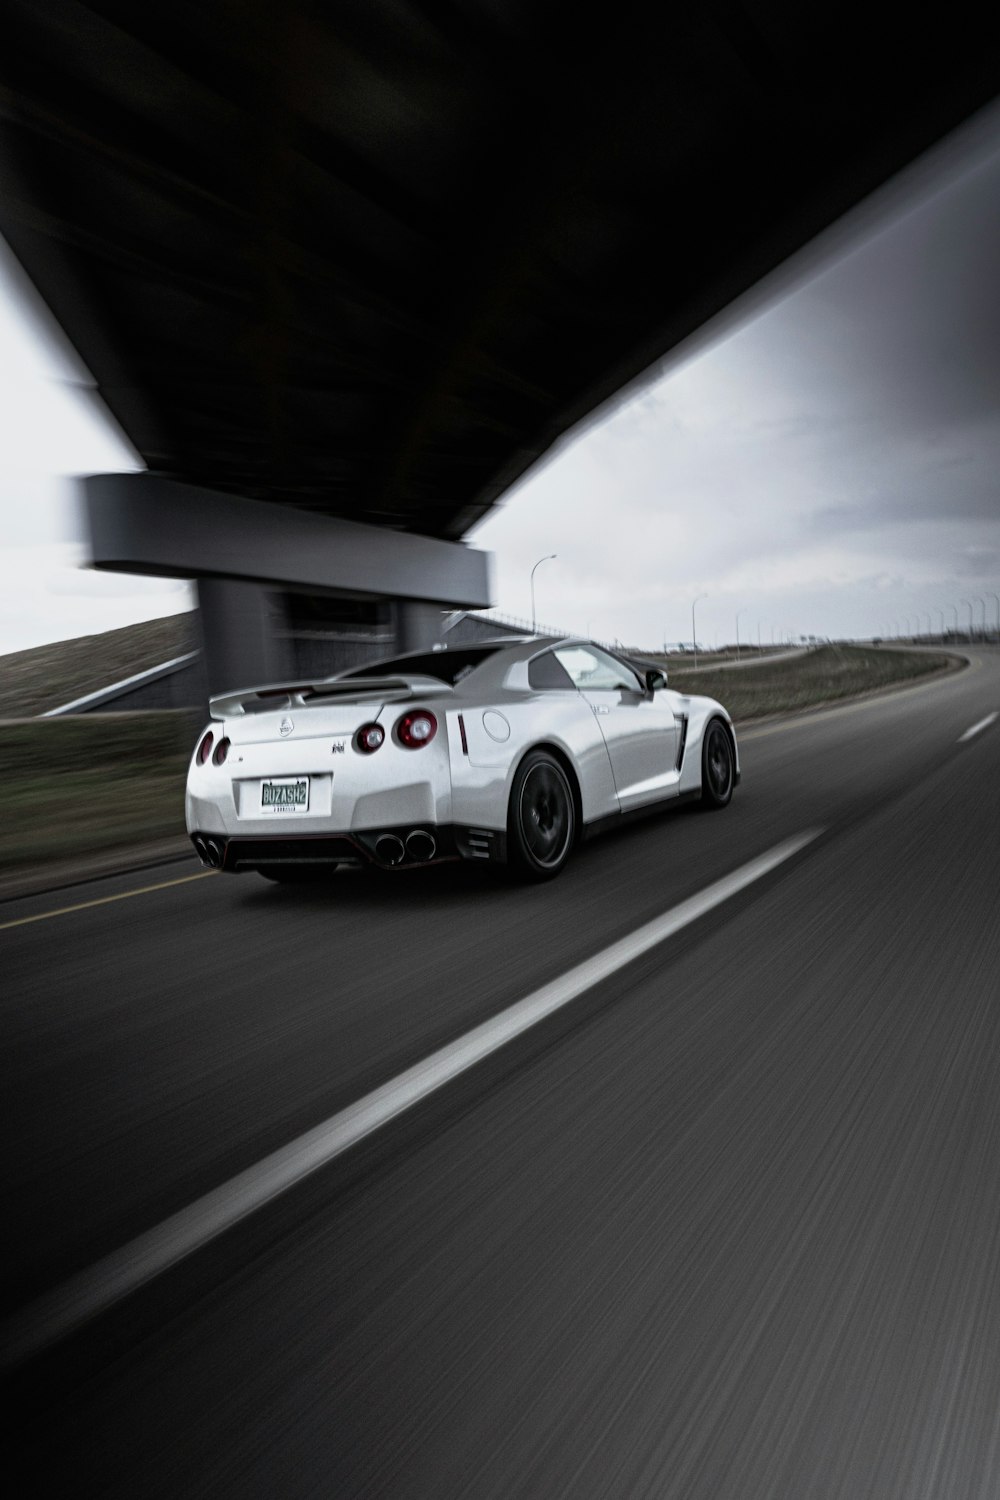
[681,742]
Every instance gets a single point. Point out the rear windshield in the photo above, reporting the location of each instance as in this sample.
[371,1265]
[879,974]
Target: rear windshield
[446,666]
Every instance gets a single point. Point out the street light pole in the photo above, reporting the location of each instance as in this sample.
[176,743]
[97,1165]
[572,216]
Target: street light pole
[738,613]
[694,633]
[547,558]
[972,623]
[996,601]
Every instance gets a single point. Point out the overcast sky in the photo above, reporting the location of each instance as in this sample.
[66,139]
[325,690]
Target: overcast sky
[825,461]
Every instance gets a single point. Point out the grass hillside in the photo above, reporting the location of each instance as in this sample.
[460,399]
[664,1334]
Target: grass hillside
[822,676]
[79,785]
[31,682]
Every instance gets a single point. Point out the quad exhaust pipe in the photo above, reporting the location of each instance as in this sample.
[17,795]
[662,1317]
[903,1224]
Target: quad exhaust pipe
[209,852]
[420,847]
[390,849]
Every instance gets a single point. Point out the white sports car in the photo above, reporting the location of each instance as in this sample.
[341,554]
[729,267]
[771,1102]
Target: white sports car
[508,751]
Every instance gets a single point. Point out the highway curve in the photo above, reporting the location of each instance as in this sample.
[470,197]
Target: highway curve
[724,1223]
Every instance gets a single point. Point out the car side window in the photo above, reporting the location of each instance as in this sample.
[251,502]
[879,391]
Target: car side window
[545,672]
[591,670]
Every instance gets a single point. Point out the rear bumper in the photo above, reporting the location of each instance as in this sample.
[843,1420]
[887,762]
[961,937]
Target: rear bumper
[390,848]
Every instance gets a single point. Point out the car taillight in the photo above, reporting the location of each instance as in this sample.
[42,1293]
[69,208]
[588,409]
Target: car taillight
[416,729]
[221,751]
[205,747]
[369,737]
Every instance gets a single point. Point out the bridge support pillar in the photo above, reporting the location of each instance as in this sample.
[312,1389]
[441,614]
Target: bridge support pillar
[239,624]
[418,625]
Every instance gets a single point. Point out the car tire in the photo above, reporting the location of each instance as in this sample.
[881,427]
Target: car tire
[297,874]
[718,766]
[541,819]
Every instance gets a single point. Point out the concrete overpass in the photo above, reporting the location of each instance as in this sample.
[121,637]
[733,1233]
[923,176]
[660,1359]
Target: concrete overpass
[344,272]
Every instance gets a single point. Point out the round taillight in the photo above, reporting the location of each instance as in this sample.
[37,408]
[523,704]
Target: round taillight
[416,728]
[221,751]
[369,737]
[205,747]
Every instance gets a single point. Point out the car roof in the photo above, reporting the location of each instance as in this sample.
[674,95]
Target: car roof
[500,655]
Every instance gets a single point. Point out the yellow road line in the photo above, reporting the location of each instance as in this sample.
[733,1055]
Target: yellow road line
[143,890]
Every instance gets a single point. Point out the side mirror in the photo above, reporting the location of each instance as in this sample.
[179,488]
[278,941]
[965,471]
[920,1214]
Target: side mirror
[655,679]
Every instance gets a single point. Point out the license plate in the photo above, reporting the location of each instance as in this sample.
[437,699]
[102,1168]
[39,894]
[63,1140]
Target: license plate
[291,794]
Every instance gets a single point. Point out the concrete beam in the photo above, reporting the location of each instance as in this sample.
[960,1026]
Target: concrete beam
[146,523]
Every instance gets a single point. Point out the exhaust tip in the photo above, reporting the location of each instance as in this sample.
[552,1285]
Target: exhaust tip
[389,849]
[420,845]
[213,854]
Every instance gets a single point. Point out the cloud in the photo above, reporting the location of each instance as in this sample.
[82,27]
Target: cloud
[836,455]
[46,594]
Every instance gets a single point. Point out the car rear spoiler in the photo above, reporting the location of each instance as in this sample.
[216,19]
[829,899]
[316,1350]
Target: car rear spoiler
[273,699]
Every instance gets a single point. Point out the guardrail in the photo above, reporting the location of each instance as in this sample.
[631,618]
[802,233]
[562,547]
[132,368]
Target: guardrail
[118,689]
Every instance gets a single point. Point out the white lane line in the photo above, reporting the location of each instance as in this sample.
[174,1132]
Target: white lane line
[978,728]
[91,1292]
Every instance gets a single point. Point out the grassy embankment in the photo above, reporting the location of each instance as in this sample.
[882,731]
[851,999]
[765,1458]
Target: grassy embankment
[79,785]
[822,676]
[75,786]
[32,682]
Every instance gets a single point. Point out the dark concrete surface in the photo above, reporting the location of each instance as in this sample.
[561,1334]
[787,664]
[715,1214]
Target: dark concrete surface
[728,1226]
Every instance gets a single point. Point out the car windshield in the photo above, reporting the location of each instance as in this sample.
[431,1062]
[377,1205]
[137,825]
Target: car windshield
[447,666]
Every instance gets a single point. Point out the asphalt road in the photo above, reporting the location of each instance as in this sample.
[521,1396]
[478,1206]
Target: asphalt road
[727,1224]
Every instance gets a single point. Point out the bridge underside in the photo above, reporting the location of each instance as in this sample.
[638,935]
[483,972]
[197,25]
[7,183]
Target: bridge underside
[373,259]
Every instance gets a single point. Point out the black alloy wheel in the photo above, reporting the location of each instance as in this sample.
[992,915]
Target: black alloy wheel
[541,825]
[718,771]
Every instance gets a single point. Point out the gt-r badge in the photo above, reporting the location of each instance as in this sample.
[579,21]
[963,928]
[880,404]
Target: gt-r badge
[337,748]
[286,726]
